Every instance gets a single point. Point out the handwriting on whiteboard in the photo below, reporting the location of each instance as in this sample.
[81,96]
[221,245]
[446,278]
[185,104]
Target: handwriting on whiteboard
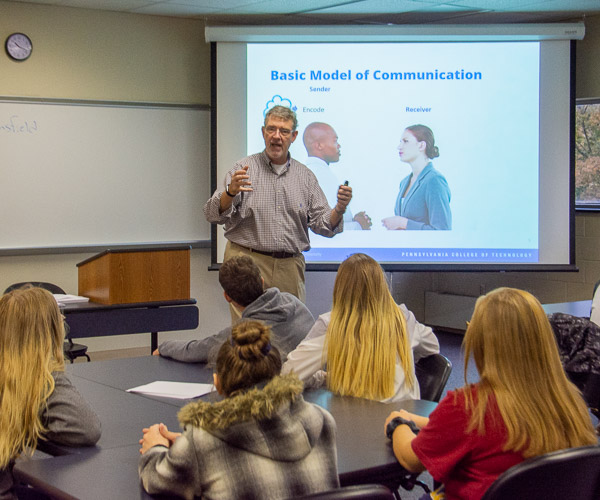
[17,125]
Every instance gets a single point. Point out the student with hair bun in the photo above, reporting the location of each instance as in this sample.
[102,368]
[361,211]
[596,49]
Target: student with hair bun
[37,400]
[261,441]
[423,200]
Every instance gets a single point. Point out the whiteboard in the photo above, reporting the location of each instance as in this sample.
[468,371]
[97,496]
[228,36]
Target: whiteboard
[76,174]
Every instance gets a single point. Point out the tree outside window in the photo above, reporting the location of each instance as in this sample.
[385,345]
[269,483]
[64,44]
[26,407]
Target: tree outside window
[587,155]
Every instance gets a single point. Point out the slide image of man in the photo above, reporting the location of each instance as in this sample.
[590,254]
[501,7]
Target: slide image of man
[322,147]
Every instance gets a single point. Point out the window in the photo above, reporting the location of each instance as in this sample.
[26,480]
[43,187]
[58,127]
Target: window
[587,154]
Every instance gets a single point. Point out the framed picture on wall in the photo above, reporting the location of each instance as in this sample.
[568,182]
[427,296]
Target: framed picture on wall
[587,154]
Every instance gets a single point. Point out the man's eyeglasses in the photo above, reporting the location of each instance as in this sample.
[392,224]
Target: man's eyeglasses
[283,132]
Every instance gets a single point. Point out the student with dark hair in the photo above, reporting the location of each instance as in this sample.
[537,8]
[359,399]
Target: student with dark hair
[423,200]
[263,441]
[241,280]
[242,284]
[37,400]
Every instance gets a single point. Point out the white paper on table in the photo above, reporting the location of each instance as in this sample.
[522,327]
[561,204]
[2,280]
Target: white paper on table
[177,390]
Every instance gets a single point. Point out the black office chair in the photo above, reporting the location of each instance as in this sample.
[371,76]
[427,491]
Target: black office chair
[70,349]
[571,473]
[52,288]
[589,385]
[359,492]
[432,373]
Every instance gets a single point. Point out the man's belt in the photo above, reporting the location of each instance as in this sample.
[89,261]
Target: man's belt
[275,255]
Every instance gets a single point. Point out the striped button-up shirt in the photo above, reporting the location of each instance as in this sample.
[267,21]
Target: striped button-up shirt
[276,214]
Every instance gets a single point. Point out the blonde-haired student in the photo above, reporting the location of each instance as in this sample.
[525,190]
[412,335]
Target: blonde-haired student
[522,406]
[37,400]
[262,441]
[366,346]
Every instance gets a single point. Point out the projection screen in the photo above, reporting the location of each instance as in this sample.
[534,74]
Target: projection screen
[498,99]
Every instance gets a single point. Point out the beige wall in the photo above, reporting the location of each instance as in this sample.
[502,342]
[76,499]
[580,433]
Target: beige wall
[588,57]
[88,54]
[99,55]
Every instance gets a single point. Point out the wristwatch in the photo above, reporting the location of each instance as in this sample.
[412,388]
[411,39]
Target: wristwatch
[228,193]
[397,421]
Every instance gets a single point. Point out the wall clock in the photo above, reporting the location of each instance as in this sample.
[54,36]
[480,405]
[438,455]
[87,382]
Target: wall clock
[18,46]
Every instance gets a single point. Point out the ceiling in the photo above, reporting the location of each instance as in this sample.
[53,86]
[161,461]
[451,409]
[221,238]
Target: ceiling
[302,12]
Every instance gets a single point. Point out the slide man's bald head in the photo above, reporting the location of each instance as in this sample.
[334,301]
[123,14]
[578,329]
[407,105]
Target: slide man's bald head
[320,140]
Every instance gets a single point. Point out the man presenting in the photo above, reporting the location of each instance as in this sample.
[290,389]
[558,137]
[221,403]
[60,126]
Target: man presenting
[290,319]
[322,147]
[268,201]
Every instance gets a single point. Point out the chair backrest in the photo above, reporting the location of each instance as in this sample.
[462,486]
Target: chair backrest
[360,492]
[432,373]
[52,288]
[596,286]
[571,473]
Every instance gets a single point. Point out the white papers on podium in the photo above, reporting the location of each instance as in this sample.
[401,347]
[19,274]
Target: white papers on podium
[65,298]
[177,390]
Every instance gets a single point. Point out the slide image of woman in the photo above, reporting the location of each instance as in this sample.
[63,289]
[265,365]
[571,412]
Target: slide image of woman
[423,200]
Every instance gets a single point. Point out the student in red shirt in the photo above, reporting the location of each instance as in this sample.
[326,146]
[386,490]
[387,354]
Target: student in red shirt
[522,406]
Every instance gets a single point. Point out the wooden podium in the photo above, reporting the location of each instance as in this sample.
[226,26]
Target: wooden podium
[132,276]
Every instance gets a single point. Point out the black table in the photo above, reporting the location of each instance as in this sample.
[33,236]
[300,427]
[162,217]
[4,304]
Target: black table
[126,373]
[90,319]
[109,470]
